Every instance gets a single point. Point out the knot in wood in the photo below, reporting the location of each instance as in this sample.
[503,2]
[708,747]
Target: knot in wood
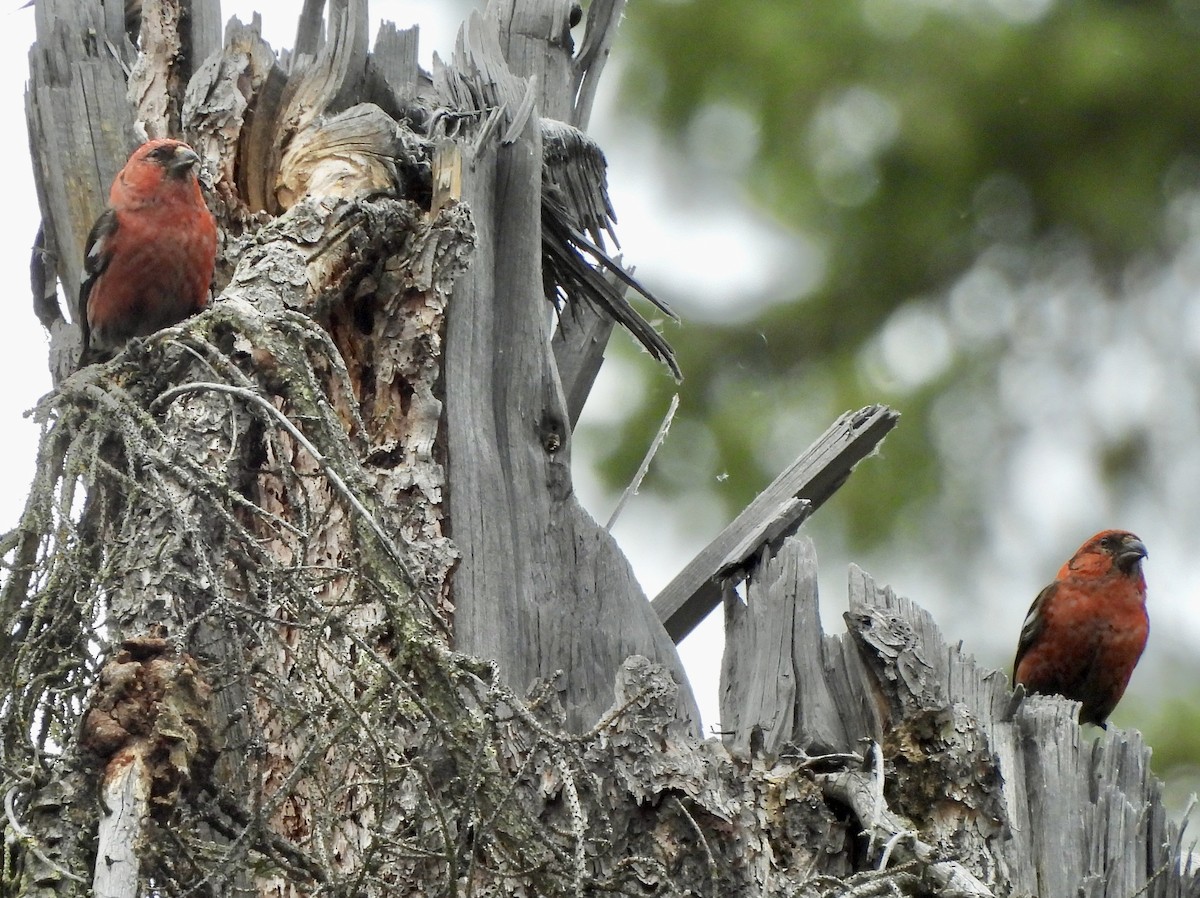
[150,699]
[892,651]
[552,432]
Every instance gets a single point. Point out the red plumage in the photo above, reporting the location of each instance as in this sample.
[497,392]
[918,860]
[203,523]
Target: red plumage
[1086,631]
[150,255]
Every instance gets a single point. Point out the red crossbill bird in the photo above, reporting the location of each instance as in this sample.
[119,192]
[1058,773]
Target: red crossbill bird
[1086,630]
[149,258]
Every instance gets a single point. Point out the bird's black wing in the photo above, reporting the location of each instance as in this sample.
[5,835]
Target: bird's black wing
[96,258]
[1033,625]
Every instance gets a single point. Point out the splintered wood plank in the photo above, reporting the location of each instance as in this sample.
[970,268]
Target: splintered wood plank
[772,675]
[393,63]
[80,133]
[579,344]
[541,587]
[1027,802]
[813,477]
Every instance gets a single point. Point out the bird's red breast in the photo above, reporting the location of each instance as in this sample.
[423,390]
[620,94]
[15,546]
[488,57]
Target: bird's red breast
[150,255]
[1085,632]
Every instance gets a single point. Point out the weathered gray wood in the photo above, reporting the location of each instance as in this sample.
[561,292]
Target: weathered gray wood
[176,37]
[80,132]
[1022,800]
[780,521]
[310,30]
[543,589]
[772,673]
[203,32]
[535,43]
[581,338]
[271,495]
[392,66]
[229,113]
[814,476]
[81,120]
[602,19]
[127,798]
[579,344]
[317,86]
[865,797]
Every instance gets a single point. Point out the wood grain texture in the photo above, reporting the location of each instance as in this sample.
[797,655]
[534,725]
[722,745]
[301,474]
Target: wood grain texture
[602,19]
[771,674]
[1020,796]
[541,587]
[392,70]
[81,121]
[127,800]
[80,133]
[229,115]
[814,476]
[579,344]
[931,779]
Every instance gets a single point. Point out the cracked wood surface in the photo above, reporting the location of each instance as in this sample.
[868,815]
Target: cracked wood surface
[541,586]
[882,744]
[1022,797]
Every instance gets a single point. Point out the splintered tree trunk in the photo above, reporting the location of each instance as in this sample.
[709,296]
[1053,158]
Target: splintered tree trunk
[235,592]
[544,589]
[302,602]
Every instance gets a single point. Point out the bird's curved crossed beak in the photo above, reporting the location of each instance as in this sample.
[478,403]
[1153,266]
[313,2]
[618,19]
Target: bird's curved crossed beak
[184,159]
[1131,552]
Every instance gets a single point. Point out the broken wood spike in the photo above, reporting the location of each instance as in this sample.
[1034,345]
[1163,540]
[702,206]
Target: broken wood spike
[636,483]
[447,174]
[813,477]
[784,522]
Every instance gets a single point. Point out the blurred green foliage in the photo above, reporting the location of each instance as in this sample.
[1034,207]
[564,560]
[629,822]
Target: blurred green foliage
[904,137]
[909,139]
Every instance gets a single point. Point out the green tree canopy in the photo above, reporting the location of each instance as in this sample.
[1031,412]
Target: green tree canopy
[1004,200]
[979,177]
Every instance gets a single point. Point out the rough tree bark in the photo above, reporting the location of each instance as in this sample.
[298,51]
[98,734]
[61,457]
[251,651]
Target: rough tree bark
[302,602]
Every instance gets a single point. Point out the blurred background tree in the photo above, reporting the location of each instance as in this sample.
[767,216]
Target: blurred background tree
[985,213]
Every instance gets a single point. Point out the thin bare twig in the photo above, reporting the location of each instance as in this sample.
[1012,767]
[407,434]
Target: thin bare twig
[636,483]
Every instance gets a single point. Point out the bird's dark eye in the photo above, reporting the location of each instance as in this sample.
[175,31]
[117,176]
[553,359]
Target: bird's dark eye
[1109,542]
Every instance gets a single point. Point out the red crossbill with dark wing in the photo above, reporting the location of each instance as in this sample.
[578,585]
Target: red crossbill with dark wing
[1086,630]
[149,258]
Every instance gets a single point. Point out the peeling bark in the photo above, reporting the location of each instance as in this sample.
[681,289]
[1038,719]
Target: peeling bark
[303,603]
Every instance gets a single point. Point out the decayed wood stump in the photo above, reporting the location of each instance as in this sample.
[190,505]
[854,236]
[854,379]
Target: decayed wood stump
[287,608]
[954,770]
[267,505]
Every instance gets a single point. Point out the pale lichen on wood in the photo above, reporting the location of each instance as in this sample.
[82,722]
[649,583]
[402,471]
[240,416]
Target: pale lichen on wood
[265,547]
